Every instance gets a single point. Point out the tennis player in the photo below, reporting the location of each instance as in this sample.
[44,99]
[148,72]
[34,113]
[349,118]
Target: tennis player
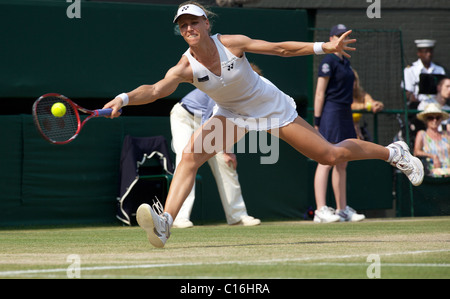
[217,65]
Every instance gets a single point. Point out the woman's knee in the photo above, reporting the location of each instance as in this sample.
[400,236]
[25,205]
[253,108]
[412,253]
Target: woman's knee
[329,156]
[342,166]
[194,160]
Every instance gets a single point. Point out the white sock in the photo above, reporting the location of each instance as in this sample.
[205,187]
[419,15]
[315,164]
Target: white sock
[169,218]
[392,152]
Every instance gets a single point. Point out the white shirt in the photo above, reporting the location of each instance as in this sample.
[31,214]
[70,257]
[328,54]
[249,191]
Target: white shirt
[244,97]
[412,77]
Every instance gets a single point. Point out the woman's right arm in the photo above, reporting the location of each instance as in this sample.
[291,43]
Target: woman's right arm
[319,98]
[145,94]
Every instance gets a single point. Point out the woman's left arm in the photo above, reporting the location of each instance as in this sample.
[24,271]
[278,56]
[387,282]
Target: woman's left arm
[238,44]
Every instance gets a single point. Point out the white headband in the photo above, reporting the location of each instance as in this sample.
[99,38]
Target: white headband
[190,9]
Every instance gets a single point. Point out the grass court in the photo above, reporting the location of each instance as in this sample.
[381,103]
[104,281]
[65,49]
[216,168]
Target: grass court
[375,248]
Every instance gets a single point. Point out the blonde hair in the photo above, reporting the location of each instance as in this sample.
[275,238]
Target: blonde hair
[358,91]
[256,68]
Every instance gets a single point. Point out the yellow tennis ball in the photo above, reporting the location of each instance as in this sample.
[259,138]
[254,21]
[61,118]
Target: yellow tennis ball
[58,109]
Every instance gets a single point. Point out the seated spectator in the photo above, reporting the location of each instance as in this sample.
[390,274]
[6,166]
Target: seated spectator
[414,76]
[424,65]
[443,98]
[431,144]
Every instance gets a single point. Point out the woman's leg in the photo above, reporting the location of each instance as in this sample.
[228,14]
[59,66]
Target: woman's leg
[183,125]
[321,184]
[215,135]
[339,182]
[308,141]
[305,139]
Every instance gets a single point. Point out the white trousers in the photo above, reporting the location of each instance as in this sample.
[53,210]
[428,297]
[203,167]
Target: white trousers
[183,124]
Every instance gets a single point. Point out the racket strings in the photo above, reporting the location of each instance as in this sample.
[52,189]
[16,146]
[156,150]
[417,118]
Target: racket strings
[56,129]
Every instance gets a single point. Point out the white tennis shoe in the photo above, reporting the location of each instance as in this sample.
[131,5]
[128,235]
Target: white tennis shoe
[182,223]
[248,221]
[411,166]
[154,222]
[325,215]
[349,214]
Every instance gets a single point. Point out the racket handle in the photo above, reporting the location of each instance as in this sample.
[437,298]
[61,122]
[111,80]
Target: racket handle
[104,112]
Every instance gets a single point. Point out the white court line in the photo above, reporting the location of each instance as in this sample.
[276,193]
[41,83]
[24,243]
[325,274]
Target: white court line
[383,264]
[148,266]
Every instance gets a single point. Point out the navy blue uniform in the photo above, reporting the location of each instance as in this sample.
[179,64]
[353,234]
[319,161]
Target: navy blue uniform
[336,122]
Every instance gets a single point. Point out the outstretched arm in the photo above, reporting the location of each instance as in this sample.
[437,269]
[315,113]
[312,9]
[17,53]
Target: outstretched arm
[145,94]
[239,44]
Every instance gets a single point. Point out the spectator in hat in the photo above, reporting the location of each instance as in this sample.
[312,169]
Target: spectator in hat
[424,65]
[432,144]
[418,97]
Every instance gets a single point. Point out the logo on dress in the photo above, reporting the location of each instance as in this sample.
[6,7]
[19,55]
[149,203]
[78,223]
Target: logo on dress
[229,64]
[203,79]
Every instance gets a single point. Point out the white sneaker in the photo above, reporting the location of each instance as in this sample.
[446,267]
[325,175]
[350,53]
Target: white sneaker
[154,223]
[248,221]
[411,166]
[350,215]
[182,223]
[325,215]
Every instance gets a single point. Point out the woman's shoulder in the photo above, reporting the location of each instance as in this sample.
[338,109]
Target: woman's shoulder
[231,40]
[420,133]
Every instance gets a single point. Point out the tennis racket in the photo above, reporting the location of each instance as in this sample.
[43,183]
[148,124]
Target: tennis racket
[65,128]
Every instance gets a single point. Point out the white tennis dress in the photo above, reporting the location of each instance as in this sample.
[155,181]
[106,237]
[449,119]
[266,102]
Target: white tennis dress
[244,97]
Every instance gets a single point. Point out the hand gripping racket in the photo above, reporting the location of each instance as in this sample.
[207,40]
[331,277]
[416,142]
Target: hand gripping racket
[63,128]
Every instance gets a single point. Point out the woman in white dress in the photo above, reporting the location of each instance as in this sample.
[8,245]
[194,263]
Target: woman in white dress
[218,66]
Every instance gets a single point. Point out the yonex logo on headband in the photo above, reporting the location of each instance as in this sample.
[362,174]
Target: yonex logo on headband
[190,9]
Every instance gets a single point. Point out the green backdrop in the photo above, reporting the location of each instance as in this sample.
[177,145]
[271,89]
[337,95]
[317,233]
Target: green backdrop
[78,182]
[114,48]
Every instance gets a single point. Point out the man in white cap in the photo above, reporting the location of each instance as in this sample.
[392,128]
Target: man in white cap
[423,65]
